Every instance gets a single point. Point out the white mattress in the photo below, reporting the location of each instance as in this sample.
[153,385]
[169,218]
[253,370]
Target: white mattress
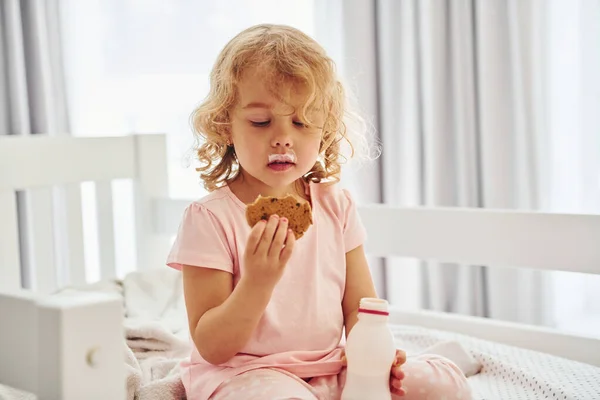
[510,372]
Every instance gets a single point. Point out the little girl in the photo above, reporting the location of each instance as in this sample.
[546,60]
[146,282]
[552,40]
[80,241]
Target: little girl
[266,312]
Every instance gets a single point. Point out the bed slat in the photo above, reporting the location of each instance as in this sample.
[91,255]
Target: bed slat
[168,213]
[40,230]
[559,242]
[66,160]
[106,230]
[10,260]
[74,230]
[152,245]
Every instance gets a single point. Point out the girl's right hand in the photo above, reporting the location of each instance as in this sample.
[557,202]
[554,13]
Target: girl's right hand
[268,250]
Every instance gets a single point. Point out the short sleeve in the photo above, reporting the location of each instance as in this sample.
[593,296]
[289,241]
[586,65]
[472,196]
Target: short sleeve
[354,231]
[201,241]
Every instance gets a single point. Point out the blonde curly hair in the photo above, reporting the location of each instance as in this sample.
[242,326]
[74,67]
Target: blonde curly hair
[291,57]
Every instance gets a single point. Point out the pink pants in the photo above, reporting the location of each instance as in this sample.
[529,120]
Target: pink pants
[427,377]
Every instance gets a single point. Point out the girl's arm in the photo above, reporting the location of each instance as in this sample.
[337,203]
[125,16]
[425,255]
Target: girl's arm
[221,320]
[359,284]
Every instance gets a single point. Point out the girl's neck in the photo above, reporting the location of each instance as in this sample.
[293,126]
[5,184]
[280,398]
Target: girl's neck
[247,189]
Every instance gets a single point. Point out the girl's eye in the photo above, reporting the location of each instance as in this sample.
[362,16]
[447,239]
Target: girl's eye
[260,123]
[299,124]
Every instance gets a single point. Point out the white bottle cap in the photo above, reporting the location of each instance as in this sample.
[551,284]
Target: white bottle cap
[372,305]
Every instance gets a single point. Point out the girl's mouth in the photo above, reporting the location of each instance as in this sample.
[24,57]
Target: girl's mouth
[281,166]
[281,162]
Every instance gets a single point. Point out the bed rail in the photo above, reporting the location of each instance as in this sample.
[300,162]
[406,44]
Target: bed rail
[559,242]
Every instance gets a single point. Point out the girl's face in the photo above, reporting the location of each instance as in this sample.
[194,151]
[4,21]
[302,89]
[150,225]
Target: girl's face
[271,143]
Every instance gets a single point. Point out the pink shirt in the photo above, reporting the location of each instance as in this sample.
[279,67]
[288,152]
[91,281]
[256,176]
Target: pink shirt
[301,328]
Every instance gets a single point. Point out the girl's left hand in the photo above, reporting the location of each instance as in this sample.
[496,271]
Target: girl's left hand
[396,373]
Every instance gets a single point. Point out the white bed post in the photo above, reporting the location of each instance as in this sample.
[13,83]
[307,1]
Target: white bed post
[18,339]
[152,183]
[63,347]
[80,348]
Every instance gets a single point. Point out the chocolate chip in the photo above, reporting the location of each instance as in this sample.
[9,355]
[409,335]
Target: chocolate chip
[264,217]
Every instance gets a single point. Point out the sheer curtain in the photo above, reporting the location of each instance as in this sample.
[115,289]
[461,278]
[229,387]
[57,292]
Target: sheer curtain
[32,101]
[141,67]
[479,104]
[573,145]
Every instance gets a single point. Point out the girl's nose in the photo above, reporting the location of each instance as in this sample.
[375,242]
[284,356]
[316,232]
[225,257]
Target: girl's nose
[282,143]
[282,139]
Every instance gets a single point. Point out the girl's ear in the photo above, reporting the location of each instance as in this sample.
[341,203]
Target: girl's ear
[226,134]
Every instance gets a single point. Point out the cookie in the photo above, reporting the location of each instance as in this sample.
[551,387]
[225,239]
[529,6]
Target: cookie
[299,215]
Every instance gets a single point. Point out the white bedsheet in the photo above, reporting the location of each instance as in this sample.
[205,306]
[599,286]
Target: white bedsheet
[509,372]
[156,341]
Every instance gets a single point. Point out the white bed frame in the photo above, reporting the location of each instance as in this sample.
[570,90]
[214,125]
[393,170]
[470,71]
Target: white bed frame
[71,347]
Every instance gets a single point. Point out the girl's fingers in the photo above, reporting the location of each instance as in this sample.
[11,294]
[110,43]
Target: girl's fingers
[286,252]
[267,237]
[255,235]
[279,238]
[396,387]
[400,357]
[343,358]
[397,373]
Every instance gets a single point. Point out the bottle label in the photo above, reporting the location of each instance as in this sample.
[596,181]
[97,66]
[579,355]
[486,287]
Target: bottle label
[365,311]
